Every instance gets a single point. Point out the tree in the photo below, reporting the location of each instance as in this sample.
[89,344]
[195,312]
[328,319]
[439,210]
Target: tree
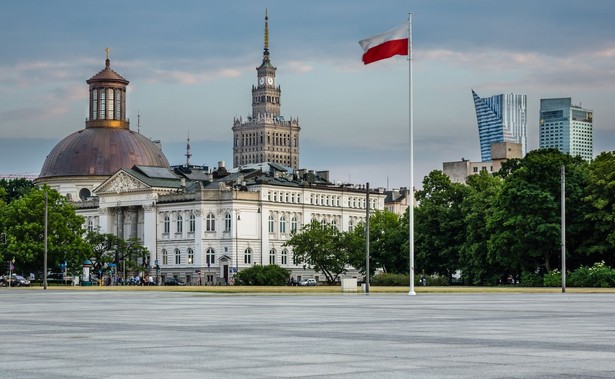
[476,208]
[600,197]
[388,245]
[525,225]
[23,222]
[439,225]
[14,188]
[321,247]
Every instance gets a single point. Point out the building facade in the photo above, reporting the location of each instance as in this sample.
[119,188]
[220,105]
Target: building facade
[203,232]
[501,118]
[567,127]
[459,171]
[265,135]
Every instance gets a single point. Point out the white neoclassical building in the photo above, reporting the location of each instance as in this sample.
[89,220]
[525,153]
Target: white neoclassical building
[204,231]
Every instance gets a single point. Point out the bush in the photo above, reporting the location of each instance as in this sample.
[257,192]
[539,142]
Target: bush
[270,275]
[390,280]
[599,275]
[531,279]
[553,278]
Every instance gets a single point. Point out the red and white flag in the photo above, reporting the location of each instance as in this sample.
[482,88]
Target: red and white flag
[385,45]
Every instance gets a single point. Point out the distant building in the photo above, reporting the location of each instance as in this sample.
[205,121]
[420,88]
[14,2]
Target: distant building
[567,127]
[500,152]
[266,136]
[397,200]
[501,118]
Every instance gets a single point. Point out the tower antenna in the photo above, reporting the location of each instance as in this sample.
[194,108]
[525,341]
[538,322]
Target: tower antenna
[188,155]
[138,122]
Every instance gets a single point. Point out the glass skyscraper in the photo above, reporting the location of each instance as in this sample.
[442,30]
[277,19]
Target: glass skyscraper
[501,118]
[567,127]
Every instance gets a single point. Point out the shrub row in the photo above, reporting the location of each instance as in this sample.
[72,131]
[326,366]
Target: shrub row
[598,275]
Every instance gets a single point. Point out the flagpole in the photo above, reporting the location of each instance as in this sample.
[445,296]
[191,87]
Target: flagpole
[411,197]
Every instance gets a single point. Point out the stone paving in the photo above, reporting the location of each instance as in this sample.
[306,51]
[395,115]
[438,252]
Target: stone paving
[91,334]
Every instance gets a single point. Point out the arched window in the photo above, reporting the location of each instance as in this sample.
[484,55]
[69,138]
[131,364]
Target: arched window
[210,256]
[178,256]
[227,222]
[190,256]
[350,225]
[271,226]
[334,224]
[247,256]
[210,223]
[283,225]
[293,224]
[192,223]
[90,225]
[180,224]
[284,257]
[167,224]
[165,257]
[272,256]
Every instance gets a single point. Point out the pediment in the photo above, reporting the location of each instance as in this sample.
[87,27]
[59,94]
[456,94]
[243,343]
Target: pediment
[121,182]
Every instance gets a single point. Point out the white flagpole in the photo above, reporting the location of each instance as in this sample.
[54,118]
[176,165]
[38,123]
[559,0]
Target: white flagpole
[411,197]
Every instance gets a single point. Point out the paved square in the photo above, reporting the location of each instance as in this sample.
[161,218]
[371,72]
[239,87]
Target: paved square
[92,334]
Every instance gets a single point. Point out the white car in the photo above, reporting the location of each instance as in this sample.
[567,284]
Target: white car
[308,282]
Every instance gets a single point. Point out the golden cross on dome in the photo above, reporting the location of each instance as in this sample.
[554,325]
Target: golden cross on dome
[107,52]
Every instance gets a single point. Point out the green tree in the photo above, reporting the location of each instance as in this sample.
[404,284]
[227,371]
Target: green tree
[476,208]
[600,197]
[23,222]
[11,189]
[439,225]
[525,224]
[323,248]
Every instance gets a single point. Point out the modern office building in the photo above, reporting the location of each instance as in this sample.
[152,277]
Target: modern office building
[501,118]
[567,127]
[265,135]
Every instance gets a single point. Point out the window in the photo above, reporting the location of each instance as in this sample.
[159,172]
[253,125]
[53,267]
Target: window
[334,224]
[284,257]
[190,256]
[283,225]
[227,222]
[90,225]
[293,225]
[180,224]
[247,256]
[178,256]
[192,223]
[271,226]
[210,256]
[210,223]
[165,257]
[272,256]
[350,225]
[167,224]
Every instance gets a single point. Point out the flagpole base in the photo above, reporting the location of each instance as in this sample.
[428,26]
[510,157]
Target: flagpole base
[411,293]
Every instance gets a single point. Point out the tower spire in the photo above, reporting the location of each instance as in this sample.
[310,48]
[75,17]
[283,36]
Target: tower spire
[266,51]
[107,61]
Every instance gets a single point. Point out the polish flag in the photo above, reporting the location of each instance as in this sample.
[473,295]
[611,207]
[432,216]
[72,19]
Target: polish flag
[385,45]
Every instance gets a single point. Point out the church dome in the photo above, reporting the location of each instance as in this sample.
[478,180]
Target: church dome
[107,144]
[101,152]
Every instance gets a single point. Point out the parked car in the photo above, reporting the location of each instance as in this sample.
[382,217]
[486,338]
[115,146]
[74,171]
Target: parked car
[16,281]
[308,282]
[174,282]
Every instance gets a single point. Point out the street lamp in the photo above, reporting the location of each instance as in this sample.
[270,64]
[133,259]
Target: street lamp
[238,213]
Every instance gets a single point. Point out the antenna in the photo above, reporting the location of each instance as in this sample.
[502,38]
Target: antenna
[188,155]
[138,122]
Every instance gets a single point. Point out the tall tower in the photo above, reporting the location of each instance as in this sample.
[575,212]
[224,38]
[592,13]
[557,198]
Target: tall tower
[501,118]
[567,127]
[266,136]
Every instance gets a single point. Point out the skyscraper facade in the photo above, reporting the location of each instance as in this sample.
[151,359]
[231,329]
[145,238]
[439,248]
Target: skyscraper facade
[501,118]
[567,127]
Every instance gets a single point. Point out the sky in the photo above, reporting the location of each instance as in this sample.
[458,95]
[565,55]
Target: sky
[192,64]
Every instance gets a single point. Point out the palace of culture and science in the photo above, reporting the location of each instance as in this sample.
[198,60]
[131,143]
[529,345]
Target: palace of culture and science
[200,225]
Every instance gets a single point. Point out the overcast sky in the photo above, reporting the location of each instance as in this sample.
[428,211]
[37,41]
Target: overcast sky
[191,67]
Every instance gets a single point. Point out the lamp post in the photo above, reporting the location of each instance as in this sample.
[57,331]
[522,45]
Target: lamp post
[236,242]
[45,250]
